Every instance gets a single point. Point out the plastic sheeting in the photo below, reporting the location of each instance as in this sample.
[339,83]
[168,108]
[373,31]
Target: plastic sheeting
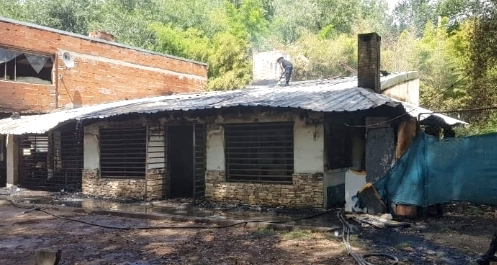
[36,61]
[436,171]
[7,55]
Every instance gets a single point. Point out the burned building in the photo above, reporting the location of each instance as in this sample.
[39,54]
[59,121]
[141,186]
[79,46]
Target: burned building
[288,146]
[44,70]
[305,145]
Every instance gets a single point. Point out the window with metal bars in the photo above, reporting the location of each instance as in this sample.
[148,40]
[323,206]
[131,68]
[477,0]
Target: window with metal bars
[259,152]
[123,152]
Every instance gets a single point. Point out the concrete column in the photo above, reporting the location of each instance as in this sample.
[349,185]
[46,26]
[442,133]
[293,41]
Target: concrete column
[12,144]
[368,72]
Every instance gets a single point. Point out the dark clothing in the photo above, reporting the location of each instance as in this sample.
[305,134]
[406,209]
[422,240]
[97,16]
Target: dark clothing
[287,65]
[288,74]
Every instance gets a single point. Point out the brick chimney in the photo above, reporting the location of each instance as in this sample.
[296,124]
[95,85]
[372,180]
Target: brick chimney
[99,34]
[368,72]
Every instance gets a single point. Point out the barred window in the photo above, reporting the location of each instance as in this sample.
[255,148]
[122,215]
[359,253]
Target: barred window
[259,152]
[123,152]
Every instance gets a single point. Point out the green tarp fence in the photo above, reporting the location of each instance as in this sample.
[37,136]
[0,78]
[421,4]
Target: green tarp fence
[436,171]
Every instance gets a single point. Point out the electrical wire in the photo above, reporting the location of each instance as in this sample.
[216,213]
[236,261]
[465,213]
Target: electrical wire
[382,122]
[39,209]
[361,260]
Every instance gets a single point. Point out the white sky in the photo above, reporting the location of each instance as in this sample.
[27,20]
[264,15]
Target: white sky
[392,3]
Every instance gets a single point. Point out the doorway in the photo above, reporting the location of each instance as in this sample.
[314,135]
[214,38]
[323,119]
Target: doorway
[180,154]
[3,162]
[186,150]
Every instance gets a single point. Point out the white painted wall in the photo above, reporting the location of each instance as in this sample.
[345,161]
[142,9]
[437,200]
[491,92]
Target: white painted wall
[265,66]
[402,86]
[215,148]
[91,154]
[12,162]
[354,181]
[308,147]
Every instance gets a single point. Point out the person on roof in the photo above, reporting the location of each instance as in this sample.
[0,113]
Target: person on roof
[286,67]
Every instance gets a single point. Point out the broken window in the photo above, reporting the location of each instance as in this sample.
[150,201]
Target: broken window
[123,152]
[344,146]
[259,152]
[25,67]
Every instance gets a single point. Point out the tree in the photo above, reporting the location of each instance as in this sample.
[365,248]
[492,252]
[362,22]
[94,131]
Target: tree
[415,14]
[190,43]
[483,63]
[441,87]
[229,64]
[67,15]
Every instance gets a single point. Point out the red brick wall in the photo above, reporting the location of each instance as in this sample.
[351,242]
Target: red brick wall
[103,72]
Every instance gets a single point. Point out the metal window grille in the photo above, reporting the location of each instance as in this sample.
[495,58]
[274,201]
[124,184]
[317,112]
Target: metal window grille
[33,161]
[51,161]
[123,152]
[68,159]
[199,160]
[259,152]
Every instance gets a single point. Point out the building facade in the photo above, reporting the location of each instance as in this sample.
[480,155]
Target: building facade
[43,70]
[296,146]
[292,146]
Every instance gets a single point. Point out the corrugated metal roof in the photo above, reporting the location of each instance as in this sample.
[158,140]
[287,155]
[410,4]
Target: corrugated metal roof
[337,95]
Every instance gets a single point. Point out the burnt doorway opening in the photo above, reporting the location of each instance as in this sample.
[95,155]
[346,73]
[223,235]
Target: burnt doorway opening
[186,148]
[3,164]
[181,164]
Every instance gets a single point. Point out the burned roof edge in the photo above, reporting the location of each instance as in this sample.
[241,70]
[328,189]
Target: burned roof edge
[76,35]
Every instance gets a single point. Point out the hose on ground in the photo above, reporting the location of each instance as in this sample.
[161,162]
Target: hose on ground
[360,259]
[345,230]
[39,209]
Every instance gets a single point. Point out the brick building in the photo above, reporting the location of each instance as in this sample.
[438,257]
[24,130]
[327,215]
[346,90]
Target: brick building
[43,69]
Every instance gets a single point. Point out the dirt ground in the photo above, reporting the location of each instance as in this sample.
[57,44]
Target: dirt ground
[21,234]
[459,237]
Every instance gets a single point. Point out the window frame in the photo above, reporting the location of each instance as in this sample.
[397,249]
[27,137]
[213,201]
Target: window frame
[257,154]
[4,69]
[132,174]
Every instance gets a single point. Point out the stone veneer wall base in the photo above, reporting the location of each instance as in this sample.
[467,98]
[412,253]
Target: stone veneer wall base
[151,188]
[305,191]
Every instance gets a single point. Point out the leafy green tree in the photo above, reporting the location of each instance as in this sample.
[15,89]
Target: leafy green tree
[13,9]
[414,14]
[292,19]
[190,43]
[483,63]
[72,16]
[340,13]
[227,52]
[317,58]
[440,87]
[229,63]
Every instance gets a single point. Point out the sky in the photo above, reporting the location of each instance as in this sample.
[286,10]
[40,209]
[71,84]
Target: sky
[392,3]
